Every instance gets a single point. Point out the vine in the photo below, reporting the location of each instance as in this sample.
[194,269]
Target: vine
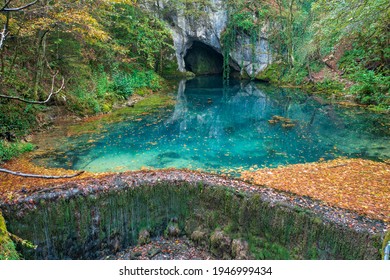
[253,41]
[228,41]
[241,21]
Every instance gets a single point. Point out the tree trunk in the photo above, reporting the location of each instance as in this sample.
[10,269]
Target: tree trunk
[40,54]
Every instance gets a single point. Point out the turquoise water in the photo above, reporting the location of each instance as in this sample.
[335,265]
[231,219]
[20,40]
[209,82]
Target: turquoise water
[217,128]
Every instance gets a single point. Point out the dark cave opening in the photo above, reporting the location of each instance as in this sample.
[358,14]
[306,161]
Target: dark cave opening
[202,59]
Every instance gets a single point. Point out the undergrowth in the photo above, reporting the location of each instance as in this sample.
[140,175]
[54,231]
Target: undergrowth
[10,150]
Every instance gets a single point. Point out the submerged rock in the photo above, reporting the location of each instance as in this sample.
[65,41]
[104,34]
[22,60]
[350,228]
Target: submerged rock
[169,155]
[285,122]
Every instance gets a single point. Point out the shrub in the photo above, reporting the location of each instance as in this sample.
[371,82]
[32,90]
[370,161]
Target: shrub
[372,84]
[122,84]
[125,84]
[11,150]
[371,88]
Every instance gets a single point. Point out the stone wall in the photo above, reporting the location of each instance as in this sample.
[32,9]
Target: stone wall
[228,222]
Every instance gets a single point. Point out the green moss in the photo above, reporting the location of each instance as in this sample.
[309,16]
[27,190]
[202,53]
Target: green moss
[265,250]
[273,231]
[148,105]
[272,73]
[327,86]
[7,247]
[170,66]
[3,230]
[106,107]
[142,91]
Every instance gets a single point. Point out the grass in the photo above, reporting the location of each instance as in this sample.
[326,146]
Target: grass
[147,105]
[11,150]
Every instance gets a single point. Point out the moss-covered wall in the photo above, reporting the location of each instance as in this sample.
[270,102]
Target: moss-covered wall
[7,247]
[88,227]
[272,73]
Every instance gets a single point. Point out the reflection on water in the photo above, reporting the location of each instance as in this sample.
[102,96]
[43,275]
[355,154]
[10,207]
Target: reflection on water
[213,127]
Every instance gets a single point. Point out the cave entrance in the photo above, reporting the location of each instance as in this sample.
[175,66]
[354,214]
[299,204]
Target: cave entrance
[201,59]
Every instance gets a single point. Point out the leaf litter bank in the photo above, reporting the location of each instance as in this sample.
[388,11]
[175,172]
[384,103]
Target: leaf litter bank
[28,196]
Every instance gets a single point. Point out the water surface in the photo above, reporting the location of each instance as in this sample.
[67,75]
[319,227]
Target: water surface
[223,128]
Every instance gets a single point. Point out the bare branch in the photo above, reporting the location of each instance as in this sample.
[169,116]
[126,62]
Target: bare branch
[3,36]
[52,92]
[5,5]
[5,9]
[5,32]
[8,10]
[20,174]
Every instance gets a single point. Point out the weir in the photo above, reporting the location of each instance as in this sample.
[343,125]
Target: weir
[231,219]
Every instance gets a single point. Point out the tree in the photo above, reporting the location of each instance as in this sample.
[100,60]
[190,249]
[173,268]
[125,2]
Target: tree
[38,33]
[7,9]
[364,22]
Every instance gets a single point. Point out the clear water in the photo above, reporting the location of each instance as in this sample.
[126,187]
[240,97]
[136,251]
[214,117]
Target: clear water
[217,128]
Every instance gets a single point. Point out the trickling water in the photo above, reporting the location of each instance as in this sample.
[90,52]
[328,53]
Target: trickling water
[219,128]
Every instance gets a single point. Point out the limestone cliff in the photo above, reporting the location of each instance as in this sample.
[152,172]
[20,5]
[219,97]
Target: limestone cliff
[205,23]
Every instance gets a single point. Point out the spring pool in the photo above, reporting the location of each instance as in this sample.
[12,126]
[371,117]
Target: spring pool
[226,129]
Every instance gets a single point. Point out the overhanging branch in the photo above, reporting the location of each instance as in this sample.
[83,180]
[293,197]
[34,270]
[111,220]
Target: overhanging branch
[52,92]
[6,9]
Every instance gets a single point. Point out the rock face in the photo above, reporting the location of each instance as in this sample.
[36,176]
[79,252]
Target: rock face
[206,26]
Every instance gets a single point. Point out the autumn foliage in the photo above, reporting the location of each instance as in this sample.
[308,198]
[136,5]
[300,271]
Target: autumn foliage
[362,186]
[359,185]
[10,183]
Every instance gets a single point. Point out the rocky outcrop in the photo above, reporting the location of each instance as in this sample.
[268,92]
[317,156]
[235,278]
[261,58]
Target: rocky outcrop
[206,26]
